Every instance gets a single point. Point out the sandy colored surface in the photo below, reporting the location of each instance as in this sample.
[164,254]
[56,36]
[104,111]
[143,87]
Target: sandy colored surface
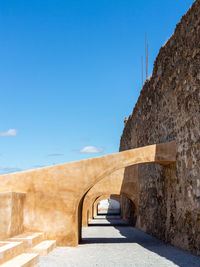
[54,194]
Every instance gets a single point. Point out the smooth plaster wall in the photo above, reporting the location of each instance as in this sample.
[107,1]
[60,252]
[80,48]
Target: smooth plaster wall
[11,214]
[54,194]
[168,109]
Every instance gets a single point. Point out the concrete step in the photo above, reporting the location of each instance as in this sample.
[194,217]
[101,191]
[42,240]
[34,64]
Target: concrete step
[30,240]
[44,247]
[23,260]
[9,250]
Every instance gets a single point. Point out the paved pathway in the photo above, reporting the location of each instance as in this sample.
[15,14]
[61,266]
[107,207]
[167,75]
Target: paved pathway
[119,245]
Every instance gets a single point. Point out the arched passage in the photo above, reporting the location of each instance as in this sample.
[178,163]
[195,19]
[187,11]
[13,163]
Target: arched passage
[97,201]
[92,206]
[108,207]
[54,195]
[112,184]
[104,226]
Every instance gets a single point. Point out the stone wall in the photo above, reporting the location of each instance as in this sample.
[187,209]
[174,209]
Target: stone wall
[168,109]
[127,210]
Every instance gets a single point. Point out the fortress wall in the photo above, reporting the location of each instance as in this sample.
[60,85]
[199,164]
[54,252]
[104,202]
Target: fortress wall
[127,210]
[168,109]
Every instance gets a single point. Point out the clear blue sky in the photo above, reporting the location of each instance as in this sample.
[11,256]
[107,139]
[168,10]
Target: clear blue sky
[70,72]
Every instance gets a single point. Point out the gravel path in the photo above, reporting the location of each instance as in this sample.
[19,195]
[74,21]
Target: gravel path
[117,245]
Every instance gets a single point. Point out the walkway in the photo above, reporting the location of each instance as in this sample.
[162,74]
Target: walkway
[119,245]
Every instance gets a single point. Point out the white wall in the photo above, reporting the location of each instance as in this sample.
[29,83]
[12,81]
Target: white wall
[109,206]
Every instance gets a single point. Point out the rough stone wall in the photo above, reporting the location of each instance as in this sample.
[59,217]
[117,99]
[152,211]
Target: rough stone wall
[127,210]
[169,109]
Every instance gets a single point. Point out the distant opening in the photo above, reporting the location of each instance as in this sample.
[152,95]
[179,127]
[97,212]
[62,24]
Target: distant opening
[111,221]
[108,207]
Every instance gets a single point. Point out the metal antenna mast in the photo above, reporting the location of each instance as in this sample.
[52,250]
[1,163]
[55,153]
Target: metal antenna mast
[142,69]
[146,54]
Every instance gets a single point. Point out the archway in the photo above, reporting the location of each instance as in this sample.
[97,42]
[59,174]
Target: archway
[97,201]
[108,206]
[114,184]
[54,195]
[104,226]
[129,217]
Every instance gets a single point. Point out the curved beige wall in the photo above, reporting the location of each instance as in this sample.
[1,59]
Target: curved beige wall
[116,184]
[53,194]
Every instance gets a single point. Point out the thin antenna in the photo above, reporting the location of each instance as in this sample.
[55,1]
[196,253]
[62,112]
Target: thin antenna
[146,55]
[147,58]
[142,69]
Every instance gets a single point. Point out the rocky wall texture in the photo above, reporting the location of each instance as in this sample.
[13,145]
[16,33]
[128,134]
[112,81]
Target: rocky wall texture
[168,109]
[127,210]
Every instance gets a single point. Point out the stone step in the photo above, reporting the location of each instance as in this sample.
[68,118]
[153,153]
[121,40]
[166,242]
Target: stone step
[23,260]
[44,247]
[30,240]
[9,250]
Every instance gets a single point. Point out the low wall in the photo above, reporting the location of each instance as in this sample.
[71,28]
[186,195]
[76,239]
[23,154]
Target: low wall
[11,214]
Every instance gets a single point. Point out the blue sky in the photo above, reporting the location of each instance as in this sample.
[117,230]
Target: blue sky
[70,72]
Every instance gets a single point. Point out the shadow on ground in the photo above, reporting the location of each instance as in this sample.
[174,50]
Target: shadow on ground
[130,234]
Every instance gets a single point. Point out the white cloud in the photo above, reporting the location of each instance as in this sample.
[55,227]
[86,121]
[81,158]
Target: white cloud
[10,132]
[92,149]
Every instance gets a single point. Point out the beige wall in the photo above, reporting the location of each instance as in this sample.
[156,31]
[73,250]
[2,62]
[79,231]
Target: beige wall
[54,194]
[11,214]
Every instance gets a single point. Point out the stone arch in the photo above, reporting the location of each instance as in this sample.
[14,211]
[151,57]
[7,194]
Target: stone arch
[55,194]
[164,154]
[112,184]
[95,198]
[93,204]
